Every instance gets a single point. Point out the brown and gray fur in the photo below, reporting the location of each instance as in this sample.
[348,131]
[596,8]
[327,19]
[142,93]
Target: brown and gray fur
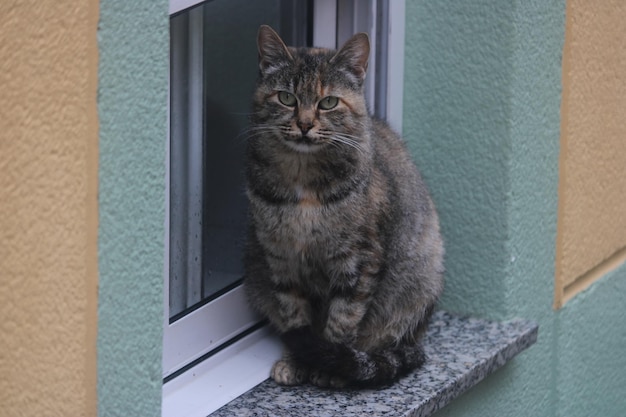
[344,255]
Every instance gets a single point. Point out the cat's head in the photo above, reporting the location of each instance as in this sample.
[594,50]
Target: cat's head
[311,97]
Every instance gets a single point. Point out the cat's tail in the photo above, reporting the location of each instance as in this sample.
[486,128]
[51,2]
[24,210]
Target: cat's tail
[357,367]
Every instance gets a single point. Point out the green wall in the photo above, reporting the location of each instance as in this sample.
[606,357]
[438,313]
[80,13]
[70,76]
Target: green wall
[457,114]
[592,336]
[482,101]
[132,104]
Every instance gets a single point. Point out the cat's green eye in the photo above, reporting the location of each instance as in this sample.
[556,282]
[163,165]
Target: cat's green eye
[328,103]
[287,99]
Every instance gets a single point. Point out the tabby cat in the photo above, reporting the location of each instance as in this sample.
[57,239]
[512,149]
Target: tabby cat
[344,256]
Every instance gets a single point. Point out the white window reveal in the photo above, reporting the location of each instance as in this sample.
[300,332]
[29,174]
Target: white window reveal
[335,21]
[215,348]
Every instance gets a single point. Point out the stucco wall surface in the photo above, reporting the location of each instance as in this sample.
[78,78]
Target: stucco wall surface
[132,107]
[456,122]
[48,209]
[482,120]
[592,202]
[591,360]
[482,115]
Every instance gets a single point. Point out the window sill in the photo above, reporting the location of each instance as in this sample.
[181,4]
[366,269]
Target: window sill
[461,352]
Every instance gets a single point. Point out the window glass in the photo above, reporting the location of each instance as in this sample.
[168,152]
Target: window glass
[213,74]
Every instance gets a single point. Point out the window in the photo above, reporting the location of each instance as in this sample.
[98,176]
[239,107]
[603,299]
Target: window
[215,347]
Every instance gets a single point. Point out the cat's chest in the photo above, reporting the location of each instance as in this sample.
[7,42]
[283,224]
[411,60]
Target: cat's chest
[306,222]
[302,227]
[307,201]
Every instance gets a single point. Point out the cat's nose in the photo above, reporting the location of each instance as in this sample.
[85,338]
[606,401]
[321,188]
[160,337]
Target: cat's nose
[305,126]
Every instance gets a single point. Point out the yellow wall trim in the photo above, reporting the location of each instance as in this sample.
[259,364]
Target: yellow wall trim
[591,229]
[584,281]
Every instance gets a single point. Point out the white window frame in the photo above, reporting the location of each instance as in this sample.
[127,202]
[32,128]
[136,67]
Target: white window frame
[182,343]
[325,35]
[241,365]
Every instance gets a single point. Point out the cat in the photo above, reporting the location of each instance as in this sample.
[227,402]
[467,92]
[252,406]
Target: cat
[344,255]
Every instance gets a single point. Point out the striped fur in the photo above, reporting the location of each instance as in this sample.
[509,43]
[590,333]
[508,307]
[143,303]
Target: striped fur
[344,255]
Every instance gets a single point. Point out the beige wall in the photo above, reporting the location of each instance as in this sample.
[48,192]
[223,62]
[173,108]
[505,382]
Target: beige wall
[48,207]
[592,189]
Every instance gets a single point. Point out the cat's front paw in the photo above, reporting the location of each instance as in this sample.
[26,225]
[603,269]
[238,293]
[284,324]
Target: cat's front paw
[287,372]
[324,380]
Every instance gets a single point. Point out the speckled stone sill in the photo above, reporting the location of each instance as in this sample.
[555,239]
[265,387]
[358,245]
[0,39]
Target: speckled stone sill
[461,352]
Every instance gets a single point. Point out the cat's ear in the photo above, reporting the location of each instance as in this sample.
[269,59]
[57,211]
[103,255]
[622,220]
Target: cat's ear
[354,55]
[273,53]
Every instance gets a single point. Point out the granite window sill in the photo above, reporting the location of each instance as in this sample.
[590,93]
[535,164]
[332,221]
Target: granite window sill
[461,352]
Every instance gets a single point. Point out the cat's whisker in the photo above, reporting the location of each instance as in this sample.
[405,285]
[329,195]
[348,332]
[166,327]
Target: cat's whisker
[257,130]
[245,113]
[337,138]
[350,138]
[347,135]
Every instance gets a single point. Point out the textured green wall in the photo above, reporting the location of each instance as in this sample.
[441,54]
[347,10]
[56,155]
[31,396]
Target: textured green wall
[592,364]
[457,120]
[481,116]
[482,102]
[132,104]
